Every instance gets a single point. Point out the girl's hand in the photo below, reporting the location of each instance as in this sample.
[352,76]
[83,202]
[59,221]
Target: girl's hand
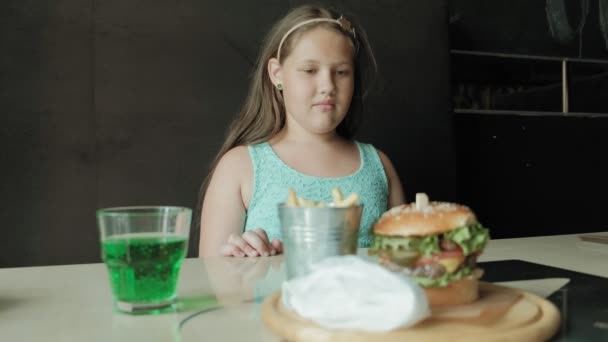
[252,243]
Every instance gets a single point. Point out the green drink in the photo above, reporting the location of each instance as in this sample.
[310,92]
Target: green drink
[144,267]
[143,249]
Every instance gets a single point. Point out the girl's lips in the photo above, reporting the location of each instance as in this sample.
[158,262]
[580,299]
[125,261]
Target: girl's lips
[325,107]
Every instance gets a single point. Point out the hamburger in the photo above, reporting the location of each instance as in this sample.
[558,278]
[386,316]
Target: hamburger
[437,243]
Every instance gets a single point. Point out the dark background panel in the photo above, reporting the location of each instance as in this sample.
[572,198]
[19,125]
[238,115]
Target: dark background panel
[562,28]
[534,175]
[47,135]
[588,87]
[110,103]
[491,82]
[528,164]
[497,83]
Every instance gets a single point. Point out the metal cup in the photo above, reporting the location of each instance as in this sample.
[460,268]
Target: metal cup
[311,234]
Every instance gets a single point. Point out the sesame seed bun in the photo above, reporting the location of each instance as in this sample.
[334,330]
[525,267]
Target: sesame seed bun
[434,218]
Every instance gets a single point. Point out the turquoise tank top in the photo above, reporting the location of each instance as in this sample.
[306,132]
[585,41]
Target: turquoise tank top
[272,179]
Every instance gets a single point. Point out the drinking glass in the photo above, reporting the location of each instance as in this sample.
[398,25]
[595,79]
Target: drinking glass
[143,248]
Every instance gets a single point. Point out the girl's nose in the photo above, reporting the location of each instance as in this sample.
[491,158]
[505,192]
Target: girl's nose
[327,83]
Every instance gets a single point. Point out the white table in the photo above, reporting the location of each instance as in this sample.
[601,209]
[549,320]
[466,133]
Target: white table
[73,303]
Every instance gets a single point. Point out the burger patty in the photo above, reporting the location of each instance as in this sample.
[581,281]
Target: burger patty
[470,261]
[432,270]
[447,244]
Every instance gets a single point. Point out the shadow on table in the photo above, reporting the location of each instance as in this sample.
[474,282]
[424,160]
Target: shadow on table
[8,303]
[583,302]
[196,303]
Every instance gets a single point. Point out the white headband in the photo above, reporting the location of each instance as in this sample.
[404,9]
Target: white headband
[343,22]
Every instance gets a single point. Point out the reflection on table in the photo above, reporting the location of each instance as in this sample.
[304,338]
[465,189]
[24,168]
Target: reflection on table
[219,297]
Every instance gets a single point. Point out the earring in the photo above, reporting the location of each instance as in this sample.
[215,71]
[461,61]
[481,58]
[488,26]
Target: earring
[279,86]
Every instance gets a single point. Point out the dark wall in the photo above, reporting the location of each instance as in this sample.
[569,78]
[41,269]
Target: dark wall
[563,28]
[529,175]
[528,164]
[49,164]
[109,103]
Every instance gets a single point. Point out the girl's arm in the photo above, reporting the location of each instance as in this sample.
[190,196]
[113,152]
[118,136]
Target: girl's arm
[223,212]
[395,189]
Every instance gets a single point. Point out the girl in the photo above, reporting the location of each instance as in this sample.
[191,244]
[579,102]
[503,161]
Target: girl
[295,130]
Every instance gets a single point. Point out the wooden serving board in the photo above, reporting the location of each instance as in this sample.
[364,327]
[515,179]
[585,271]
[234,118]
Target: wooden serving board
[500,314]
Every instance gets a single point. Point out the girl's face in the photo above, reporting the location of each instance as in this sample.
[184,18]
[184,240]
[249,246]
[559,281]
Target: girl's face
[317,79]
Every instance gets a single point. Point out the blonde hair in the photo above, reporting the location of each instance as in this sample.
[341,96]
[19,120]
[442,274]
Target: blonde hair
[263,114]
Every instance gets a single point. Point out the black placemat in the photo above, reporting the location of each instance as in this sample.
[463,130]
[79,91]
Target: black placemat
[583,302]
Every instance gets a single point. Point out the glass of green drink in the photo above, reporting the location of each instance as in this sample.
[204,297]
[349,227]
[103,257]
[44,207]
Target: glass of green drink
[143,248]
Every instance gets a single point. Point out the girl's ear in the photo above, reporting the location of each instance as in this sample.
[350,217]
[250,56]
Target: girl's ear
[274,71]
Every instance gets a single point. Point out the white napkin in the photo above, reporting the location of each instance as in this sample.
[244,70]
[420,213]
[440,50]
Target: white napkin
[348,292]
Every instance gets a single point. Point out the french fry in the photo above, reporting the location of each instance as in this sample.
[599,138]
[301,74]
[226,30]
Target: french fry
[422,201]
[302,202]
[292,198]
[349,201]
[336,194]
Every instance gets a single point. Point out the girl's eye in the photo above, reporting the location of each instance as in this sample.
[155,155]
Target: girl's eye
[343,72]
[308,71]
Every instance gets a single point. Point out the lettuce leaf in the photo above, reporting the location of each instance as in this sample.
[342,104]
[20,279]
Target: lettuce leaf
[470,238]
[423,245]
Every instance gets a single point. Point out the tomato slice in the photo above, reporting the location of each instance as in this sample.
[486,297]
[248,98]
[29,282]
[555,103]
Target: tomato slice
[425,260]
[456,253]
